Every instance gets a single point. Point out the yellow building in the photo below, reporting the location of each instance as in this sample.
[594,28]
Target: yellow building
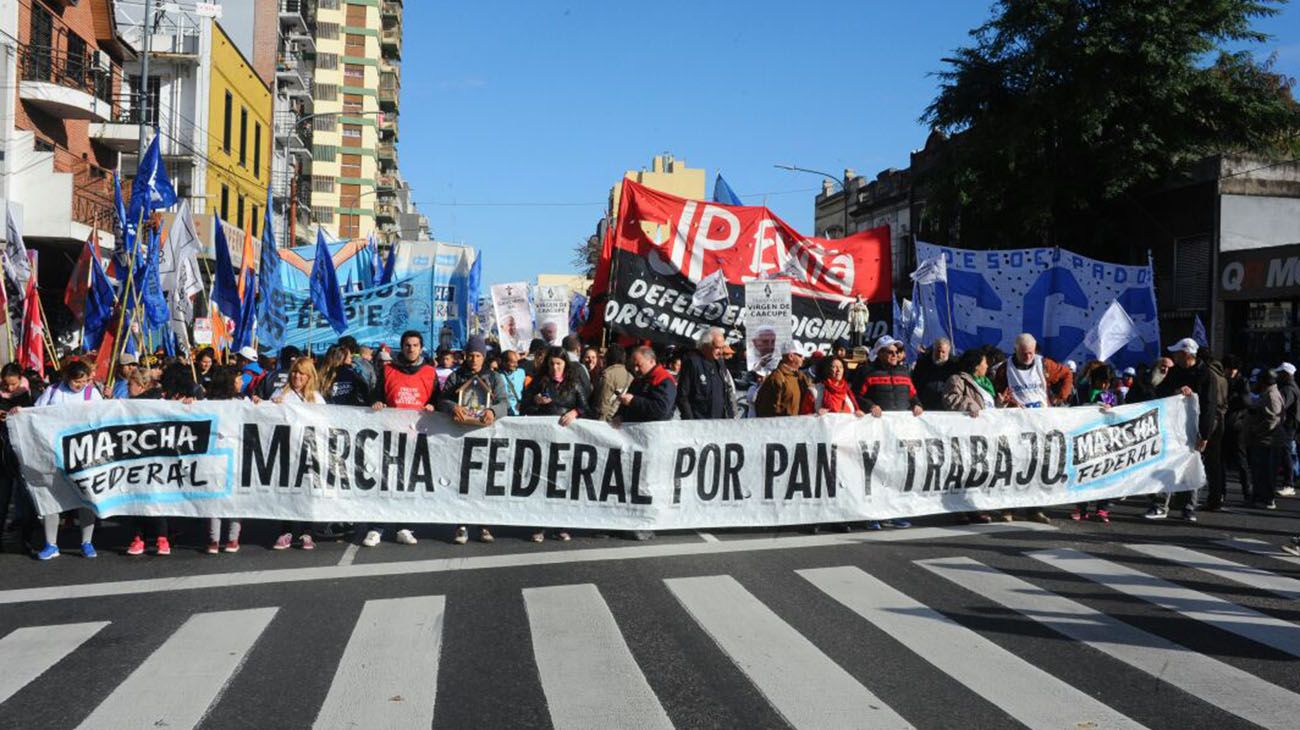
[667,175]
[239,137]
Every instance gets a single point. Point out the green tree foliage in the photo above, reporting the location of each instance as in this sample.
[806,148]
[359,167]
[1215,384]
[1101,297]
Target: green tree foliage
[1063,110]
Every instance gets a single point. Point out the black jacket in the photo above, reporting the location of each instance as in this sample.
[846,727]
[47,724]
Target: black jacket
[653,397]
[929,378]
[1207,382]
[702,388]
[891,388]
[572,395]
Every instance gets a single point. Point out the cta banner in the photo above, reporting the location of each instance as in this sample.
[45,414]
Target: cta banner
[552,305]
[663,246]
[1051,293]
[331,463]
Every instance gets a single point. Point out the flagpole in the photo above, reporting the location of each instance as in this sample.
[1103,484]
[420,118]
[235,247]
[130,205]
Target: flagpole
[119,344]
[45,326]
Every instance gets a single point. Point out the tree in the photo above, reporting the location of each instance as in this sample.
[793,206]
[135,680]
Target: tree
[1063,110]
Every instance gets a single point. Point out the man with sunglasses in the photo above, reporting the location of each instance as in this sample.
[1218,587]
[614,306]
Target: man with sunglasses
[885,384]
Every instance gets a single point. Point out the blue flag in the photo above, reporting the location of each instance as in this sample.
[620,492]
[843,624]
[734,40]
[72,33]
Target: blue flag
[722,192]
[325,287]
[387,276]
[578,312]
[1199,334]
[268,282]
[99,306]
[151,189]
[225,289]
[247,323]
[474,285]
[125,232]
[156,311]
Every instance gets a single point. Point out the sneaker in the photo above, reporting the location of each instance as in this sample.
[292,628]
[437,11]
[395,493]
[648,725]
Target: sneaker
[1077,514]
[462,536]
[162,547]
[88,550]
[1041,518]
[898,524]
[136,547]
[48,552]
[1008,517]
[232,546]
[485,535]
[372,538]
[1286,492]
[1102,516]
[306,543]
[642,535]
[214,548]
[1269,505]
[875,525]
[563,536]
[405,537]
[539,536]
[283,542]
[1291,549]
[1189,514]
[1156,513]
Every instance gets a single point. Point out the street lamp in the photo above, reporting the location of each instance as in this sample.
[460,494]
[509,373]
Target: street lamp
[844,188]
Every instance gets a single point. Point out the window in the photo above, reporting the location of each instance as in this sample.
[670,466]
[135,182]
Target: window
[353,104]
[327,31]
[351,135]
[356,16]
[327,61]
[243,136]
[252,223]
[349,195]
[225,124]
[327,123]
[354,74]
[329,4]
[322,184]
[75,69]
[349,226]
[145,101]
[325,153]
[239,212]
[354,44]
[225,203]
[324,215]
[257,153]
[351,166]
[326,92]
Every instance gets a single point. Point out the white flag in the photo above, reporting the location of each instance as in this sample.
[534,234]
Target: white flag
[178,262]
[17,268]
[1112,331]
[931,270]
[712,288]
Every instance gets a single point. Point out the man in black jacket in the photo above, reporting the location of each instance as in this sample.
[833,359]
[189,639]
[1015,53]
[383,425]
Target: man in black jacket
[932,371]
[702,391]
[1235,441]
[1202,378]
[653,392]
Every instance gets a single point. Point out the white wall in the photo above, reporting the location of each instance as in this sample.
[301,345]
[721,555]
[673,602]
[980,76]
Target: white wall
[1258,221]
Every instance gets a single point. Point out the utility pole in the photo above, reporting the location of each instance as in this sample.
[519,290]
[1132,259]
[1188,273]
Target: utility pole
[147,30]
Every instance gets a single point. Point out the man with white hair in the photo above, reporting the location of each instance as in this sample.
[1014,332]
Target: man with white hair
[1029,380]
[702,390]
[783,391]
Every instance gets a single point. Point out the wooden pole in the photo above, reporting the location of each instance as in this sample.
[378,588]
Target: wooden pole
[119,344]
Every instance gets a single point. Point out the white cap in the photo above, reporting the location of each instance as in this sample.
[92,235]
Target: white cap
[1187,345]
[791,348]
[1130,371]
[1287,368]
[128,359]
[882,343]
[1071,365]
[248,353]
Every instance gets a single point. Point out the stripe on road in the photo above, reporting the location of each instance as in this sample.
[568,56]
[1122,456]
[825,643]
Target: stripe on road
[1195,605]
[587,671]
[1259,547]
[1018,688]
[1223,685]
[487,562]
[1226,569]
[177,684]
[804,685]
[27,653]
[388,676]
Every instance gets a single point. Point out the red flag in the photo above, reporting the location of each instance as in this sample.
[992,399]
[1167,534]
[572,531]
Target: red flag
[31,353]
[79,282]
[105,356]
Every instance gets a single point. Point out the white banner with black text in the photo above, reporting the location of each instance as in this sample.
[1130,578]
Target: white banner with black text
[320,464]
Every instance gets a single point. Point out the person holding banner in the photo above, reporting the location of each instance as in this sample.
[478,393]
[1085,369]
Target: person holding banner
[1196,375]
[222,386]
[75,387]
[303,388]
[1029,380]
[784,389]
[832,394]
[559,391]
[702,391]
[613,382]
[340,383]
[15,393]
[886,385]
[474,395]
[653,391]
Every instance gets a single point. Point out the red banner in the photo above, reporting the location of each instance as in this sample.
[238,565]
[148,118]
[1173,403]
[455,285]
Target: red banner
[663,246]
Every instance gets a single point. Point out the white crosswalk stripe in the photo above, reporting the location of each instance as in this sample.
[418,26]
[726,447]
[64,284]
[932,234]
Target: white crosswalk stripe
[388,676]
[1213,681]
[27,653]
[1193,604]
[1023,691]
[1259,547]
[578,645]
[1225,569]
[803,684]
[177,684]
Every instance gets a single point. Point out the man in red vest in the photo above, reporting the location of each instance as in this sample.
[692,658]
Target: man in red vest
[410,383]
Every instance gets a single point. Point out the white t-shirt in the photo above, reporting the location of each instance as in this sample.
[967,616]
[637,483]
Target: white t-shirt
[289,395]
[1028,386]
[54,395]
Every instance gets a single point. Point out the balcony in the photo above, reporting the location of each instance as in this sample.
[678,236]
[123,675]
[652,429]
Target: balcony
[388,125]
[385,213]
[388,97]
[390,12]
[68,86]
[387,155]
[385,183]
[290,134]
[291,73]
[390,42]
[293,16]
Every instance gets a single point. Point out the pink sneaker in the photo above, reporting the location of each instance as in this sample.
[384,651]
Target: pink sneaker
[1103,516]
[214,548]
[307,543]
[232,546]
[283,542]
[162,546]
[136,547]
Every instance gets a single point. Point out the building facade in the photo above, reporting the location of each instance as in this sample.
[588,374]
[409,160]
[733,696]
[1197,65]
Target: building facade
[239,136]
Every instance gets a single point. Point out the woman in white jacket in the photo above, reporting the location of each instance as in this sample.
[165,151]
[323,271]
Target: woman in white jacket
[76,386]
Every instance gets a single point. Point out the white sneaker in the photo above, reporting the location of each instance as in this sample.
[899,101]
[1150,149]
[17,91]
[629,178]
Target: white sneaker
[372,538]
[1286,492]
[462,536]
[405,537]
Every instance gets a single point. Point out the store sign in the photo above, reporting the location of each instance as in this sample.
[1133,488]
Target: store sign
[1260,273]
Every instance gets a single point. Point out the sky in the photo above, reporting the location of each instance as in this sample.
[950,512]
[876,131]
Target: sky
[518,117]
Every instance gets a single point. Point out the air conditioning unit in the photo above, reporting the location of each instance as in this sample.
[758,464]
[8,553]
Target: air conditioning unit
[102,61]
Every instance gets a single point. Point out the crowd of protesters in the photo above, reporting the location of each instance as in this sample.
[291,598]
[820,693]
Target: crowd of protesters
[1248,422]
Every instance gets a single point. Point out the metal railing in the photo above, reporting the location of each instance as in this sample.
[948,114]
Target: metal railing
[78,71]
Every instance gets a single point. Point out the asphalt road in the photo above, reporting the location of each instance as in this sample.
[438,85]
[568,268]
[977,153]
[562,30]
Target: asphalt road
[1156,624]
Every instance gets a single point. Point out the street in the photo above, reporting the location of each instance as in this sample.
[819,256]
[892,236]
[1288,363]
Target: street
[1081,625]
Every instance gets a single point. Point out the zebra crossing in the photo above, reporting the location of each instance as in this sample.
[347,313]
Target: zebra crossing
[591,674]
